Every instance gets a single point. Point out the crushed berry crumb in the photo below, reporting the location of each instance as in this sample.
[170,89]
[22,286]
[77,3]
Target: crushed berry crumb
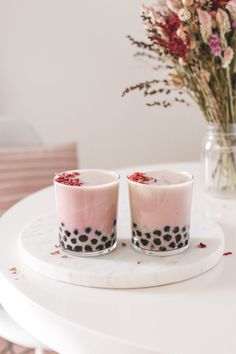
[57,246]
[138,262]
[140,177]
[201,245]
[13,269]
[123,244]
[55,253]
[227,253]
[69,178]
[64,256]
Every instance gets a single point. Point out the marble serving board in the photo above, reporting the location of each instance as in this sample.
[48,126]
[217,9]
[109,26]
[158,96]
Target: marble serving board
[124,267]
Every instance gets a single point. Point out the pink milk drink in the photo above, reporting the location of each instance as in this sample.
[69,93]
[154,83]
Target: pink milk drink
[86,203]
[160,203]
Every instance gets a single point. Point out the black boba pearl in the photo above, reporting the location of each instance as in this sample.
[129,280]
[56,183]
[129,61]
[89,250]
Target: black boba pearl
[185,235]
[62,224]
[88,230]
[98,233]
[99,248]
[144,242]
[113,235]
[76,231]
[139,233]
[133,233]
[83,238]
[104,238]
[167,237]
[69,247]
[148,235]
[108,244]
[184,229]
[113,241]
[172,245]
[73,240]
[180,245]
[162,249]
[60,228]
[94,241]
[186,243]
[157,241]
[157,232]
[167,228]
[134,225]
[64,238]
[62,244]
[176,229]
[67,233]
[114,223]
[178,238]
[78,249]
[88,248]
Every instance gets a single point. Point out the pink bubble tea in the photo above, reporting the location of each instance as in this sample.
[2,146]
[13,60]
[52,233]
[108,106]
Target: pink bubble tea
[160,203]
[86,202]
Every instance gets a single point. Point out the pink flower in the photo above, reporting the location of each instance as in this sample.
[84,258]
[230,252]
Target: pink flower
[223,22]
[214,44]
[227,58]
[205,24]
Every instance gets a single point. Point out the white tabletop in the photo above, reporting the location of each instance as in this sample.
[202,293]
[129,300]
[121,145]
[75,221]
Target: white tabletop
[195,316]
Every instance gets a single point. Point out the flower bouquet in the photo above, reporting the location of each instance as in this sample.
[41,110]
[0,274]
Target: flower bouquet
[195,40]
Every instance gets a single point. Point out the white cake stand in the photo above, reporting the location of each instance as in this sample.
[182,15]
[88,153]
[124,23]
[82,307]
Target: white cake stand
[124,267]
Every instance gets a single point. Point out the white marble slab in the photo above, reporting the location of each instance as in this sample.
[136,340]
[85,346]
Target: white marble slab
[124,267]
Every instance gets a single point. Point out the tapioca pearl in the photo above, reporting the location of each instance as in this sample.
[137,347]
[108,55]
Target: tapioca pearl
[148,235]
[186,243]
[60,228]
[64,238]
[104,238]
[157,241]
[98,233]
[78,249]
[167,237]
[62,244]
[180,245]
[114,223]
[135,225]
[108,244]
[172,245]
[62,224]
[88,248]
[176,229]
[83,238]
[113,235]
[94,241]
[162,249]
[69,247]
[157,232]
[99,247]
[184,228]
[133,233]
[76,232]
[178,238]
[73,240]
[113,241]
[139,233]
[185,235]
[167,228]
[67,233]
[88,230]
[144,242]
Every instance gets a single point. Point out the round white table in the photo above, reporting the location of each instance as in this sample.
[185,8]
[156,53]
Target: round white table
[191,317]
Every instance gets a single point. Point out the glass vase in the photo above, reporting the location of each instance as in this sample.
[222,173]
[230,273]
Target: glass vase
[219,157]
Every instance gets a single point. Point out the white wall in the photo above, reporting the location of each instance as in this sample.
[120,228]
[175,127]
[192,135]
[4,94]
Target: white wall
[63,66]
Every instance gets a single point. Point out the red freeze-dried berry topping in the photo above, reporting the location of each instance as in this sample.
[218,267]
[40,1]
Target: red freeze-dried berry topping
[69,178]
[140,177]
[227,253]
[201,245]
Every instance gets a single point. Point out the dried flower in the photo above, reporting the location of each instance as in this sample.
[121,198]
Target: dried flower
[223,22]
[227,58]
[176,80]
[205,24]
[173,5]
[182,33]
[205,75]
[184,14]
[214,44]
[187,3]
[231,7]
